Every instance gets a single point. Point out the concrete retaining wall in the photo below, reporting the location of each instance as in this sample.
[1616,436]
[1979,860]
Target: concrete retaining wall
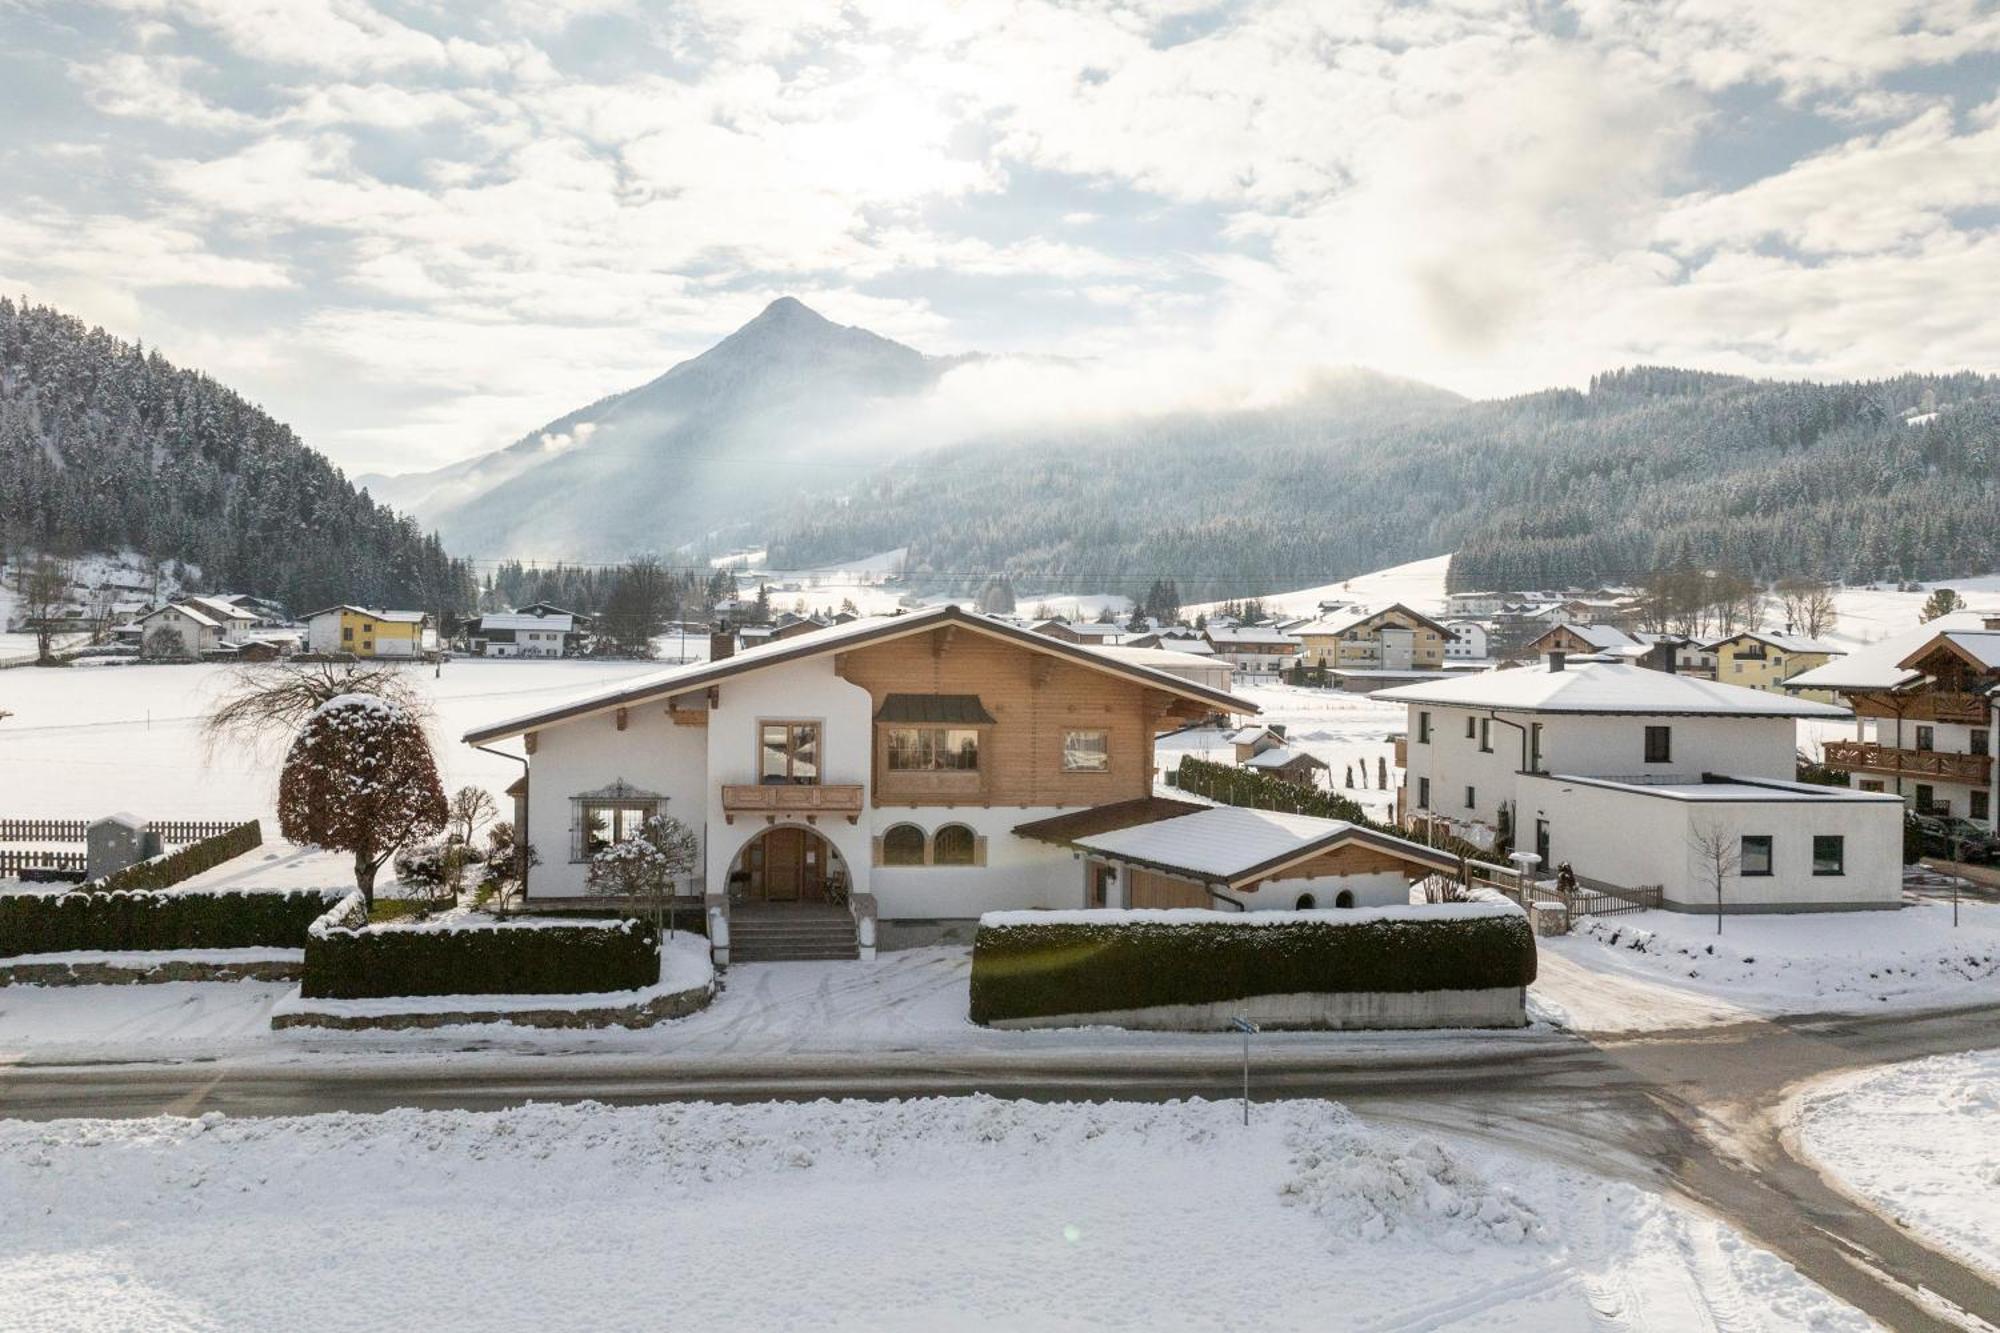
[1505,1007]
[678,1004]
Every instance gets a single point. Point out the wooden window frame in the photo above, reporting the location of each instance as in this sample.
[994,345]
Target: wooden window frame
[979,747]
[1099,771]
[789,780]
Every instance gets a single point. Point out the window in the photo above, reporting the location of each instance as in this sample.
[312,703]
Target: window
[1927,738]
[1086,752]
[1926,798]
[1471,799]
[1534,747]
[1981,808]
[347,634]
[903,845]
[1659,745]
[952,845]
[1471,725]
[788,752]
[1977,741]
[933,750]
[599,819]
[1485,735]
[1829,854]
[1871,784]
[1424,728]
[1755,857]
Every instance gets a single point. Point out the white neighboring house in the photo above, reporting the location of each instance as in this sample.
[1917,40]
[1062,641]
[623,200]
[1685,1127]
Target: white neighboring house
[1467,642]
[522,634]
[1624,772]
[1255,650]
[199,631]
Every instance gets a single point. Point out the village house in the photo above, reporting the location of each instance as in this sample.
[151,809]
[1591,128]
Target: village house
[1253,649]
[1924,715]
[531,632]
[179,630]
[1467,642]
[1394,638]
[890,779]
[1084,631]
[1583,640]
[1627,774]
[1763,660]
[369,633]
[1263,749]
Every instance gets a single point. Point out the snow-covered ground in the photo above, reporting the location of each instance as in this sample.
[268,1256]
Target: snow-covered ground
[1348,731]
[959,1213]
[1418,585]
[1918,1141]
[1825,962]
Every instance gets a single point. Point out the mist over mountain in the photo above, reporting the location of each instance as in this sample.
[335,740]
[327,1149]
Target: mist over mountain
[700,456]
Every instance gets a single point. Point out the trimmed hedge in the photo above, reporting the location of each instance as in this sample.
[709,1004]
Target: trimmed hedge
[160,872]
[1074,968]
[1260,791]
[99,921]
[573,958]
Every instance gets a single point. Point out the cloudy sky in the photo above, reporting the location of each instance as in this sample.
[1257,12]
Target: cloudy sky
[416,229]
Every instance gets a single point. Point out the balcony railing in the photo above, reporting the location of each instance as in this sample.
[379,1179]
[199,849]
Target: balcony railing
[777,801]
[1870,757]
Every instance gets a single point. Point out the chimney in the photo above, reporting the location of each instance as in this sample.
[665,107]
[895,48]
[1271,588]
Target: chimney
[1278,730]
[1556,659]
[721,643]
[1664,656]
[1991,622]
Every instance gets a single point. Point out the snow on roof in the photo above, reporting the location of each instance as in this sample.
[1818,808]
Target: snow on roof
[221,608]
[1785,642]
[1280,756]
[1983,645]
[1162,659]
[1877,666]
[1604,638]
[1604,687]
[1728,788]
[195,614]
[522,620]
[1250,634]
[691,675]
[1228,842]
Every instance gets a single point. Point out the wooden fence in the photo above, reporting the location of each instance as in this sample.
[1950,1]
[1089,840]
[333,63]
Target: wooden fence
[15,862]
[173,832]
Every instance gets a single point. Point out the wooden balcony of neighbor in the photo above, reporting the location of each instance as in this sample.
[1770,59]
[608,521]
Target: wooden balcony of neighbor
[1872,757]
[775,801]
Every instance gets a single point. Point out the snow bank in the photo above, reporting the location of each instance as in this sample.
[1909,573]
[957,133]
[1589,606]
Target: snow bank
[1492,906]
[1796,962]
[959,1213]
[1918,1141]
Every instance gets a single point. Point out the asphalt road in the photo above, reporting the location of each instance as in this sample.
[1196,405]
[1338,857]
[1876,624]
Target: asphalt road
[1697,1111]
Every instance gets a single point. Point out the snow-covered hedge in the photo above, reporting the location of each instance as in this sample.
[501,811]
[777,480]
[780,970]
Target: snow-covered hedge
[185,863]
[1041,964]
[525,956]
[95,920]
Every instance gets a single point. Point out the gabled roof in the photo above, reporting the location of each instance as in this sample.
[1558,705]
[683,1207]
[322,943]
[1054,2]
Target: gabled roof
[1784,642]
[1979,649]
[1281,756]
[1065,829]
[518,620]
[840,638]
[1879,665]
[1604,638]
[1607,688]
[391,617]
[1341,622]
[193,613]
[1233,845]
[1250,634]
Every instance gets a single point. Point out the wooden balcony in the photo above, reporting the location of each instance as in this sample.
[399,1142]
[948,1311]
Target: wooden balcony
[775,801]
[1869,757]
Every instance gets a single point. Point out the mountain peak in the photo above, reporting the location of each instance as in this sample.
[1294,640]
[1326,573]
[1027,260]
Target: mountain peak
[788,308]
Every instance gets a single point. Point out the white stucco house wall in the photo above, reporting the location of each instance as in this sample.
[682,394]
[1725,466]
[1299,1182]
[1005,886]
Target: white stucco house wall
[1623,772]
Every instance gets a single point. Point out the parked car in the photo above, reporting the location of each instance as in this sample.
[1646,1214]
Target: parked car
[1973,843]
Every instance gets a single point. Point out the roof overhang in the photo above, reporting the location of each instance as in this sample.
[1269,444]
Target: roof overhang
[838,640]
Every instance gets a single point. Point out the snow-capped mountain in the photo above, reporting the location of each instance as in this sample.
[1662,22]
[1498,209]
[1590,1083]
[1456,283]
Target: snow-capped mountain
[736,432]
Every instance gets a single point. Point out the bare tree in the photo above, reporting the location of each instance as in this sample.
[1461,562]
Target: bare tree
[1717,851]
[360,778]
[1808,606]
[471,808]
[272,701]
[43,588]
[165,643]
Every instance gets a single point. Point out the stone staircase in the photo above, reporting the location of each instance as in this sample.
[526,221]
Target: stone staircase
[790,932]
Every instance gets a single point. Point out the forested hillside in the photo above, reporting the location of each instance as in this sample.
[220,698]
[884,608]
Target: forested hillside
[105,446]
[1648,469]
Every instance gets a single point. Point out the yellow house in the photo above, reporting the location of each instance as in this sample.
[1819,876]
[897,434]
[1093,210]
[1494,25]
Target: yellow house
[369,633]
[1762,661]
[1394,638]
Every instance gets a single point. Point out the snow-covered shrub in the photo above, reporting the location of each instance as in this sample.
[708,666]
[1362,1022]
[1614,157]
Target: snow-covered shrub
[522,957]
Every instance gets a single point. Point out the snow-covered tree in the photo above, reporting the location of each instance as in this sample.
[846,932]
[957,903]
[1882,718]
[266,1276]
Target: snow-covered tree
[360,778]
[647,867]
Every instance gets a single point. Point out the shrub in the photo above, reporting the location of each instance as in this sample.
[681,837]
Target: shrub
[1073,966]
[161,872]
[99,921]
[525,957]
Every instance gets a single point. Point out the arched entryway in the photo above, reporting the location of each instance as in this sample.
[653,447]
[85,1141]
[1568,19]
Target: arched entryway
[789,863]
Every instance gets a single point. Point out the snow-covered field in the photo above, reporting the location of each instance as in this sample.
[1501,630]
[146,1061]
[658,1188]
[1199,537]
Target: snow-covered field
[1824,962]
[1348,731]
[959,1213]
[1918,1141]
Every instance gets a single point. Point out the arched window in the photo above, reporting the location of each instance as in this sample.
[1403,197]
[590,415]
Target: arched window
[952,846]
[1345,898]
[903,845]
[1306,902]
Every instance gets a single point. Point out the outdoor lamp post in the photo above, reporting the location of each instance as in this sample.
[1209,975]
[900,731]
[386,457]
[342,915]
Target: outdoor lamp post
[1524,869]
